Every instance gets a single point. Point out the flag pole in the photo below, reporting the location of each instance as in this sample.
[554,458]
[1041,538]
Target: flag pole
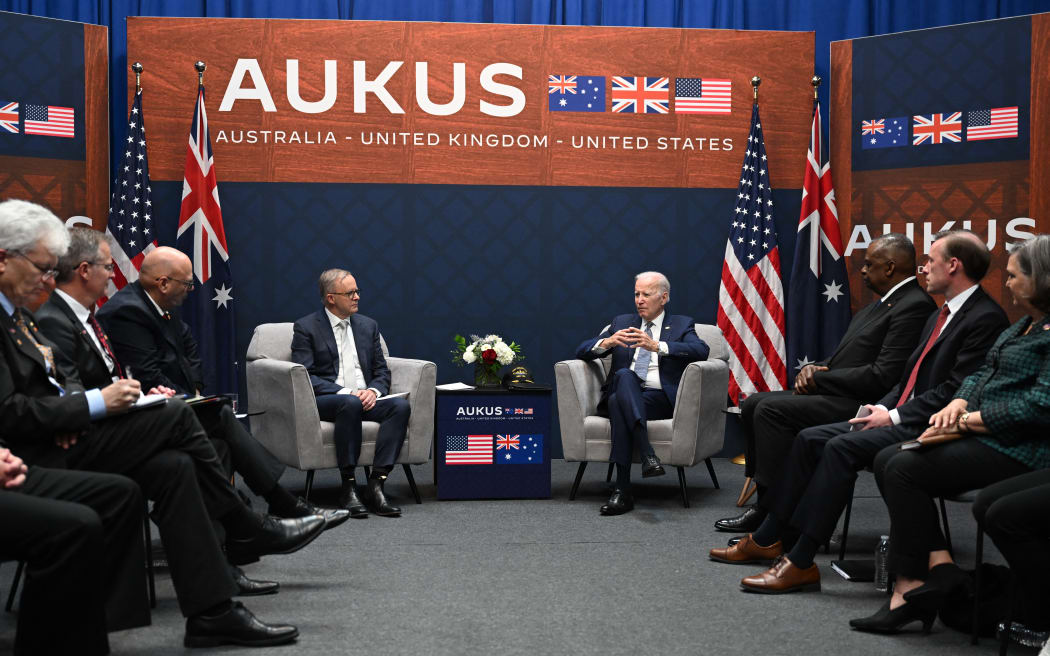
[755,81]
[200,66]
[137,67]
[815,81]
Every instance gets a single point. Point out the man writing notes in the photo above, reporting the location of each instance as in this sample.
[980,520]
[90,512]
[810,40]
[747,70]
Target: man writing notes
[650,349]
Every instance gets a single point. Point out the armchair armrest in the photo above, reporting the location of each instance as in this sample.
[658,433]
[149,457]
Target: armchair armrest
[418,378]
[290,427]
[698,425]
[579,387]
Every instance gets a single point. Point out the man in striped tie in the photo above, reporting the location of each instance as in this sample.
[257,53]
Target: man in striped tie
[650,349]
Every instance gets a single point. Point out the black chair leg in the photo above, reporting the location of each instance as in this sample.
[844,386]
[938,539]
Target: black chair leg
[412,483]
[681,484]
[711,470]
[608,474]
[14,586]
[147,534]
[845,523]
[974,638]
[309,484]
[368,472]
[576,483]
[947,532]
[1004,637]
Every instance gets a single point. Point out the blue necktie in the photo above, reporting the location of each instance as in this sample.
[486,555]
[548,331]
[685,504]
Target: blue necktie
[641,365]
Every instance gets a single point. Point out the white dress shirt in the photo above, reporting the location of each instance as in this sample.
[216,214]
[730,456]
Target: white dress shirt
[344,341]
[82,313]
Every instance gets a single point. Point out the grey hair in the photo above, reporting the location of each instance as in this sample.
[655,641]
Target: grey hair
[1033,258]
[83,247]
[329,278]
[661,280]
[23,224]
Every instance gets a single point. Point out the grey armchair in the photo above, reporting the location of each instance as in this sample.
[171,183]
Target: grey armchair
[290,426]
[695,432]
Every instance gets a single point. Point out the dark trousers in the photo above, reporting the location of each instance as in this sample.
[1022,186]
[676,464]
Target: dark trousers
[909,481]
[629,405]
[817,482]
[167,453]
[257,466]
[1015,513]
[771,420]
[80,535]
[347,413]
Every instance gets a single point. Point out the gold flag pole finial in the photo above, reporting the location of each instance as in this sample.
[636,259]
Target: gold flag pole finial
[816,84]
[755,81]
[137,67]
[200,66]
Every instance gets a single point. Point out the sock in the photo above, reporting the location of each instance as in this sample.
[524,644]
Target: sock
[380,472]
[347,475]
[241,522]
[218,609]
[768,531]
[623,477]
[280,500]
[805,549]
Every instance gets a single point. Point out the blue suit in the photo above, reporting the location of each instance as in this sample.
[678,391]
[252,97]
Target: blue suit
[314,346]
[624,399]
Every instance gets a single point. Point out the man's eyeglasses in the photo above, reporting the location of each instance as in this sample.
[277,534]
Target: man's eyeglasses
[108,266]
[45,273]
[350,294]
[187,283]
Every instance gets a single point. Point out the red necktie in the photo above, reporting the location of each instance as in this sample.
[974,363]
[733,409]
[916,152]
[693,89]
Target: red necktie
[104,341]
[941,318]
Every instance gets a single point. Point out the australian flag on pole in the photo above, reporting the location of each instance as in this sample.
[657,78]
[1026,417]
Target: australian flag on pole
[209,308]
[818,309]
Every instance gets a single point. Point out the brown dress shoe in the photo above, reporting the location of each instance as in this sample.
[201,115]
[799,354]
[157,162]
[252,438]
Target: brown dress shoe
[747,551]
[783,577]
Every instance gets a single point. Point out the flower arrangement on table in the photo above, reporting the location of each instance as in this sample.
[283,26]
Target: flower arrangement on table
[488,354]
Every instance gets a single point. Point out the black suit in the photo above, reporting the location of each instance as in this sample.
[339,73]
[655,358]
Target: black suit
[868,361]
[162,449]
[163,352]
[818,480]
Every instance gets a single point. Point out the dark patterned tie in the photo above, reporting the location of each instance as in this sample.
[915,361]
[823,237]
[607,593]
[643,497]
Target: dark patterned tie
[45,351]
[104,341]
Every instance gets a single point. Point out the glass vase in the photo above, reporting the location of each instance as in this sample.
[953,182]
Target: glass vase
[486,375]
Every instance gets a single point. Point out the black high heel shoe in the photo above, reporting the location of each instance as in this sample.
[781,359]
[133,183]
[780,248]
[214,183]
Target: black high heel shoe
[941,582]
[892,621]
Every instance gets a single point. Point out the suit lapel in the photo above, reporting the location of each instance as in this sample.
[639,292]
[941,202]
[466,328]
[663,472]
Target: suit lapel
[164,325]
[363,357]
[22,342]
[61,304]
[324,329]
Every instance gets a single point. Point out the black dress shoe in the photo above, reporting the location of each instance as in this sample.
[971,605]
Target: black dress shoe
[250,587]
[746,522]
[332,516]
[236,626]
[619,503]
[275,536]
[348,499]
[651,466]
[942,581]
[892,621]
[380,505]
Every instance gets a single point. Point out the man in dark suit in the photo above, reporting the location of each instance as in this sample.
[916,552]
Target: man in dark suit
[650,349]
[341,350]
[161,352]
[52,421]
[818,480]
[865,365]
[80,536]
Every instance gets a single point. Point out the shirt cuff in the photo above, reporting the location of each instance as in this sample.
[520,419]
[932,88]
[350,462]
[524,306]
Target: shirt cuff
[96,404]
[597,348]
[663,348]
[378,395]
[895,416]
[345,391]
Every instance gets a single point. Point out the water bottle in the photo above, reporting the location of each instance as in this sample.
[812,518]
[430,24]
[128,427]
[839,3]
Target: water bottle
[882,555]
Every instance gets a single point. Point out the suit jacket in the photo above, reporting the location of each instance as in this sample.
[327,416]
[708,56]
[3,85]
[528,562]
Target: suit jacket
[958,352]
[77,350]
[158,351]
[31,409]
[871,355]
[683,346]
[314,347]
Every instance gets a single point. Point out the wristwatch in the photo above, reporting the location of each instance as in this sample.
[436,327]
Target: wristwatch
[963,418]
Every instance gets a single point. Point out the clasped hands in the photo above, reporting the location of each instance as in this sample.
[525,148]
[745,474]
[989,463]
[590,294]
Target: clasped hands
[630,338]
[12,470]
[805,382]
[946,420]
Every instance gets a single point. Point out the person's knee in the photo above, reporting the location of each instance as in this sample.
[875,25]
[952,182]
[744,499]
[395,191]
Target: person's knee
[402,408]
[350,407]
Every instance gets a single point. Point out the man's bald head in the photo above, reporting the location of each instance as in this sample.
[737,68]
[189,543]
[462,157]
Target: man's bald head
[167,276]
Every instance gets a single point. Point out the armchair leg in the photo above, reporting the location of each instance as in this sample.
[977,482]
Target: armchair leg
[368,472]
[977,583]
[681,484]
[711,470]
[147,534]
[309,484]
[14,585]
[845,525]
[608,474]
[412,483]
[576,483]
[947,531]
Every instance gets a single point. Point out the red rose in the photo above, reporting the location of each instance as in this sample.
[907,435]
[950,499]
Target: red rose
[488,356]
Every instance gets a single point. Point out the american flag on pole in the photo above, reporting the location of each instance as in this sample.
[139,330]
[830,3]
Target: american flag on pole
[209,308]
[818,298]
[751,295]
[130,228]
[468,450]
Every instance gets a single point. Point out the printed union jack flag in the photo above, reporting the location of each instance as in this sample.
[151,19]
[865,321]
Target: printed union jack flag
[936,128]
[468,450]
[130,227]
[9,117]
[694,95]
[641,95]
[508,442]
[875,126]
[49,121]
[998,123]
[561,84]
[751,294]
[209,308]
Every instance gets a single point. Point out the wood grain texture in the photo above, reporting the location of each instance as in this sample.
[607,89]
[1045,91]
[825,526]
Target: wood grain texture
[840,118]
[96,124]
[57,184]
[167,47]
[1039,147]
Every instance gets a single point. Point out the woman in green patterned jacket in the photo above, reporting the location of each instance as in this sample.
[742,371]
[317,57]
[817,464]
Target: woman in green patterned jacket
[996,427]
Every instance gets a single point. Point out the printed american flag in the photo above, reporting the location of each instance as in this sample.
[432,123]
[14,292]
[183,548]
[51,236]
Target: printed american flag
[130,228]
[9,117]
[751,294]
[49,121]
[694,95]
[936,128]
[641,95]
[468,450]
[818,310]
[998,123]
[209,308]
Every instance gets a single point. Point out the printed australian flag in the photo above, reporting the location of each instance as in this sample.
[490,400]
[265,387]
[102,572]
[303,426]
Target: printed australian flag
[576,93]
[884,132]
[519,450]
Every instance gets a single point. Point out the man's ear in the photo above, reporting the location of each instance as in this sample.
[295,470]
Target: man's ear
[3,259]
